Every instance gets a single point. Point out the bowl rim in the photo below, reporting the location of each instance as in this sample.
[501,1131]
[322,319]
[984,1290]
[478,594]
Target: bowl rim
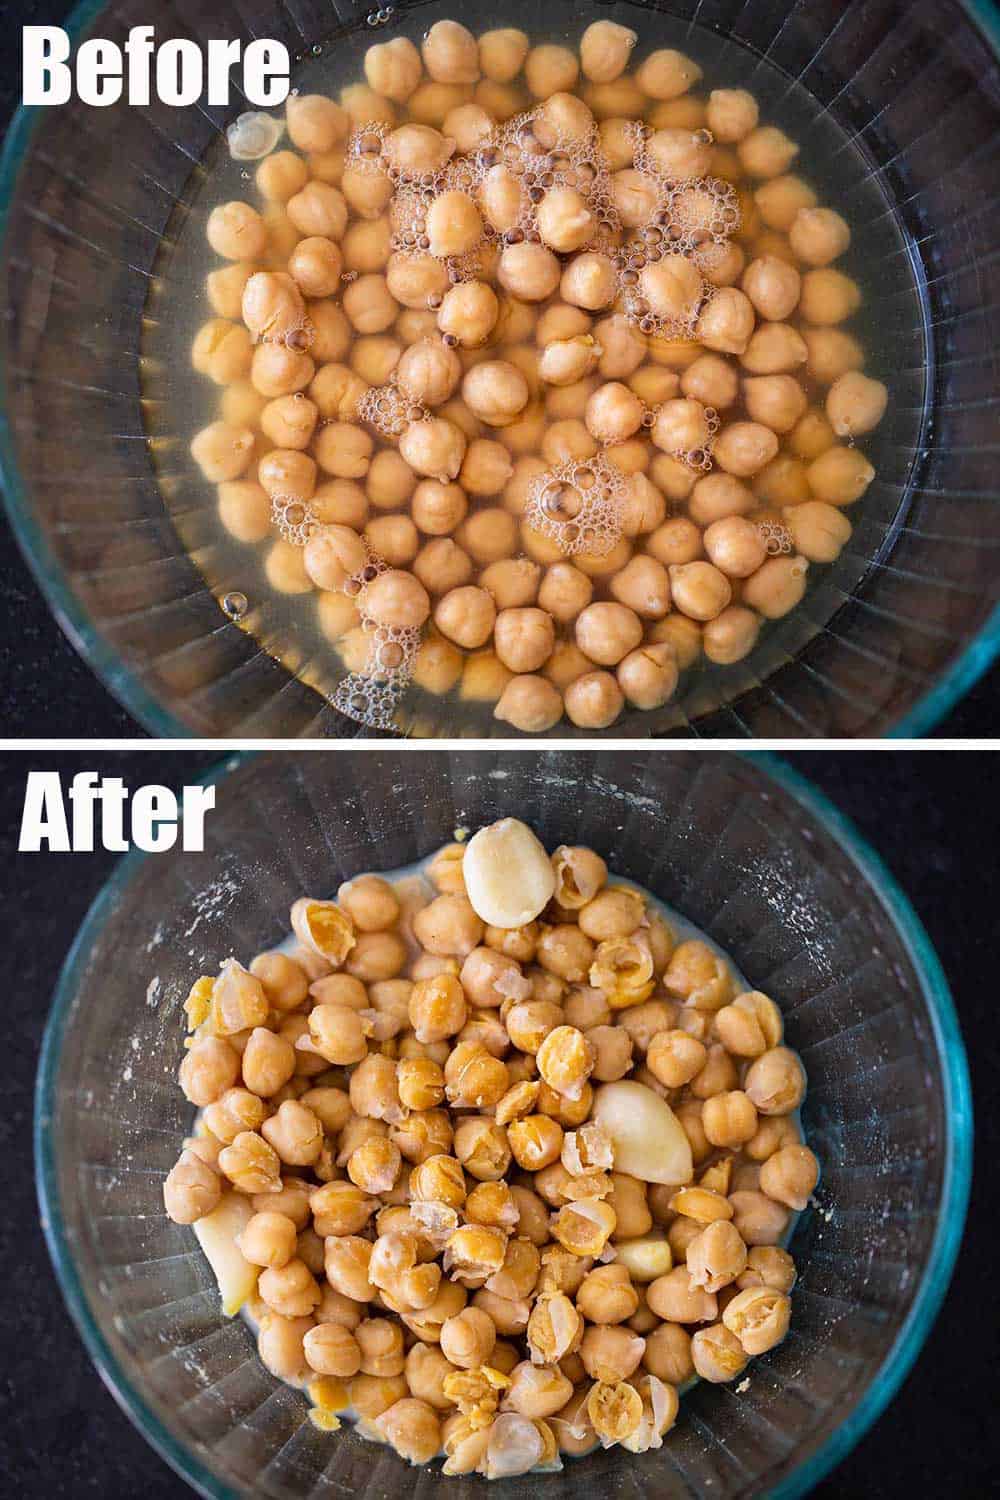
[921,717]
[957,1110]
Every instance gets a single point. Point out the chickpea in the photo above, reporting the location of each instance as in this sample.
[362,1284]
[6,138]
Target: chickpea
[549,69]
[281,1347]
[367,193]
[565,222]
[236,232]
[679,153]
[710,380]
[606,632]
[523,638]
[777,587]
[529,272]
[773,287]
[530,704]
[469,126]
[726,322]
[717,1354]
[855,404]
[434,447]
[295,1134]
[513,582]
[393,68]
[818,236]
[450,53]
[224,288]
[502,54]
[369,304]
[428,372]
[676,1299]
[759,1318]
[623,348]
[700,590]
[790,1176]
[731,114]
[496,391]
[222,452]
[667,74]
[673,288]
[565,362]
[588,281]
[466,616]
[191,1189]
[743,448]
[411,1426]
[448,925]
[819,531]
[828,296]
[442,565]
[366,245]
[648,676]
[222,351]
[774,349]
[731,636]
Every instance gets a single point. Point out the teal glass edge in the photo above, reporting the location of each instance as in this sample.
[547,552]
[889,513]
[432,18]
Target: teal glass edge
[974,660]
[957,1172]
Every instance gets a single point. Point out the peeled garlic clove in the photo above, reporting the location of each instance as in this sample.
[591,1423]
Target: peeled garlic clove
[508,875]
[645,1257]
[647,1139]
[217,1235]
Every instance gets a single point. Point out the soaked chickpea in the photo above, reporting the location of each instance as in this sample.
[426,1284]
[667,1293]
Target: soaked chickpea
[607,632]
[496,391]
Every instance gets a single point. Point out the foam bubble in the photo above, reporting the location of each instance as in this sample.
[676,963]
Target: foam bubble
[579,505]
[293,519]
[389,410]
[776,537]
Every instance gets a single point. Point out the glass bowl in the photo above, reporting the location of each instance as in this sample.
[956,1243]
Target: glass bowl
[888,637]
[746,850]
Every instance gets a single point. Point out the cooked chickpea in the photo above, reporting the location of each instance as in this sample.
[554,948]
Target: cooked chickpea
[731,636]
[648,675]
[613,413]
[790,1175]
[855,404]
[775,401]
[236,232]
[667,74]
[528,271]
[759,1318]
[676,1299]
[496,391]
[743,448]
[434,447]
[450,53]
[607,632]
[776,587]
[759,1219]
[466,616]
[731,114]
[331,1349]
[699,590]
[828,296]
[717,1354]
[295,1134]
[773,287]
[726,323]
[411,1426]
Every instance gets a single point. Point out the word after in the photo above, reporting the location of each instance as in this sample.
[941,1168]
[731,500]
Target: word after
[96,815]
[177,71]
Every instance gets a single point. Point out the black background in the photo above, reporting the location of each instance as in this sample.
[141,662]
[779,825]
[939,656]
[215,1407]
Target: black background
[47,691]
[927,813]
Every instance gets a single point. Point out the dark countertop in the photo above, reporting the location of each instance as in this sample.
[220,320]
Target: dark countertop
[61,1434]
[48,691]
